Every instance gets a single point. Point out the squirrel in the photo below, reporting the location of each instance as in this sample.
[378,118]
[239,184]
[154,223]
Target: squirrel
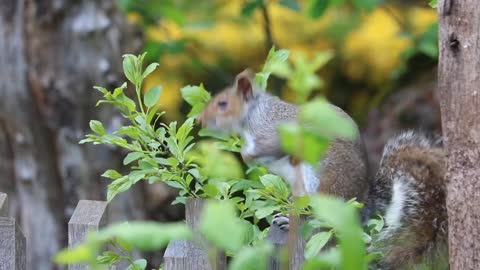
[408,189]
[254,114]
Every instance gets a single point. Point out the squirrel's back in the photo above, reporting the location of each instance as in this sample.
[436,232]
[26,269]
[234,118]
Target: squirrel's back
[409,191]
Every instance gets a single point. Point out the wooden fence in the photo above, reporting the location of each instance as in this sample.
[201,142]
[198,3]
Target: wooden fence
[179,255]
[12,241]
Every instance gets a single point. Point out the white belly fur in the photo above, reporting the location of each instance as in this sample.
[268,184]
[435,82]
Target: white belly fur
[283,168]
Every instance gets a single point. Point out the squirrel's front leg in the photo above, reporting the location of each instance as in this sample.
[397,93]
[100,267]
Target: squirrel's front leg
[282,221]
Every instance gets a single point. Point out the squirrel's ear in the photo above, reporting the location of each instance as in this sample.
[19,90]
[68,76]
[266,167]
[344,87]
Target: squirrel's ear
[244,84]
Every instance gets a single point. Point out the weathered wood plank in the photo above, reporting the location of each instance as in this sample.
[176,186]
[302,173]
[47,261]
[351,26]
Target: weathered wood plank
[186,255]
[3,205]
[88,216]
[296,243]
[12,245]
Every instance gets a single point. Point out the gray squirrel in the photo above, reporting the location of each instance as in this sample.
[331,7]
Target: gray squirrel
[408,190]
[254,115]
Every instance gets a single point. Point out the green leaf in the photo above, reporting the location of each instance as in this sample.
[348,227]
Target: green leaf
[153,112]
[195,94]
[266,211]
[316,243]
[323,120]
[139,264]
[108,257]
[130,131]
[149,69]
[97,127]
[215,163]
[316,8]
[376,225]
[276,184]
[196,110]
[119,90]
[221,226]
[345,221]
[428,42]
[204,132]
[131,157]
[146,235]
[330,259]
[367,5]
[101,90]
[181,200]
[152,96]
[112,174]
[135,176]
[77,254]
[174,184]
[252,257]
[433,3]
[117,186]
[275,59]
[129,69]
[250,6]
[210,190]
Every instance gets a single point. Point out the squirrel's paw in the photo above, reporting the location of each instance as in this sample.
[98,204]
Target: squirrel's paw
[282,221]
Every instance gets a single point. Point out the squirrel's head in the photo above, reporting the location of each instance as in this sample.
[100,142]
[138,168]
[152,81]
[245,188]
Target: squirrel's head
[226,109]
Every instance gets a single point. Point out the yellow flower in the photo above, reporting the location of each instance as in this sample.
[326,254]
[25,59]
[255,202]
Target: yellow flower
[422,18]
[134,17]
[374,49]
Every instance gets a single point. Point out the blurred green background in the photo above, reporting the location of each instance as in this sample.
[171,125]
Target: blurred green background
[378,46]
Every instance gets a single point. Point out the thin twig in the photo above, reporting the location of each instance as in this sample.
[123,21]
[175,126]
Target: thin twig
[269,43]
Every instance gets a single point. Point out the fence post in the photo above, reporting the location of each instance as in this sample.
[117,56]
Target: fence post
[296,242]
[88,216]
[3,205]
[189,255]
[12,244]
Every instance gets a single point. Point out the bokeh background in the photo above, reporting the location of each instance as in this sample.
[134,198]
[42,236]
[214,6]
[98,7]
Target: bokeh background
[383,72]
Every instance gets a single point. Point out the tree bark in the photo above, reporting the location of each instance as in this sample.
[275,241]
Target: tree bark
[51,54]
[459,86]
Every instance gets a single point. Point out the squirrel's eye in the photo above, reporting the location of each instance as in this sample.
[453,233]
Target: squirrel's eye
[222,104]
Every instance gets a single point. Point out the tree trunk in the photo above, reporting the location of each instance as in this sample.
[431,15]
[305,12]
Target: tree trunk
[51,54]
[459,83]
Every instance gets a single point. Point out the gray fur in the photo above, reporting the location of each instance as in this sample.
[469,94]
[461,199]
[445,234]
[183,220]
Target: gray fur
[421,233]
[262,118]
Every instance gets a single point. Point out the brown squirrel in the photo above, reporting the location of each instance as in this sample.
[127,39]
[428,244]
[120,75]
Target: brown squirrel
[408,189]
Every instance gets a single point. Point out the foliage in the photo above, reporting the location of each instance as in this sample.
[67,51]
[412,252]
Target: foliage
[156,152]
[230,221]
[209,38]
[377,44]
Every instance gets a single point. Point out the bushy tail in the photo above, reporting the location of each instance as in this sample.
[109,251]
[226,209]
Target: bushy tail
[409,192]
